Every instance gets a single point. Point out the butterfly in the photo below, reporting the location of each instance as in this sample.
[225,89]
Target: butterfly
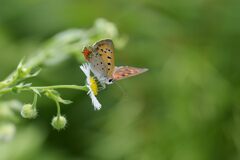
[102,64]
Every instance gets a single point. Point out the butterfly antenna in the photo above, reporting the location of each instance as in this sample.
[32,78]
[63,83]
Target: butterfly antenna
[122,89]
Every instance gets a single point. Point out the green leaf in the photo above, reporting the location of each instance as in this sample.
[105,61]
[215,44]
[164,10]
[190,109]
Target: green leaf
[26,85]
[34,74]
[60,100]
[20,63]
[36,91]
[55,95]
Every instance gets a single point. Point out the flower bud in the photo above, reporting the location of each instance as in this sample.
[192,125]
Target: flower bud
[28,111]
[23,72]
[59,122]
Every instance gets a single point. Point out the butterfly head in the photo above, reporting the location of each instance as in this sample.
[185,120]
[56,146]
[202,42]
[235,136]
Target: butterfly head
[106,80]
[109,81]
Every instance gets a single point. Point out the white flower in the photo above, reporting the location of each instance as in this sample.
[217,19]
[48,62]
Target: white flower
[92,86]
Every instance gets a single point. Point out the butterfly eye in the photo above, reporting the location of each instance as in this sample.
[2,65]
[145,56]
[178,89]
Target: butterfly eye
[110,80]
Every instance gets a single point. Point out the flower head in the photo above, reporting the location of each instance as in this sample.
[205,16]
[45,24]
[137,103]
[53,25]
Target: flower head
[92,86]
[59,122]
[28,111]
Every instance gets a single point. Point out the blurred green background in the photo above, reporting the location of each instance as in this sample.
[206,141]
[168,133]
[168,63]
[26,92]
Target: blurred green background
[185,108]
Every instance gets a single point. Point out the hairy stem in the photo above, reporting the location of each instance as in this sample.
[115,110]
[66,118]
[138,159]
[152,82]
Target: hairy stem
[58,109]
[35,100]
[83,88]
[42,88]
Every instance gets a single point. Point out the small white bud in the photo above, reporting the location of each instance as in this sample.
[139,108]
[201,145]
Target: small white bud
[59,122]
[28,111]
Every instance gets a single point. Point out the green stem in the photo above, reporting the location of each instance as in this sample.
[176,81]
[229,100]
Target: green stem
[5,91]
[12,79]
[76,87]
[35,100]
[84,88]
[58,109]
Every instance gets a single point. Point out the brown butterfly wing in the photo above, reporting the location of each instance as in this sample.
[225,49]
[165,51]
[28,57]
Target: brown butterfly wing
[105,49]
[97,66]
[127,71]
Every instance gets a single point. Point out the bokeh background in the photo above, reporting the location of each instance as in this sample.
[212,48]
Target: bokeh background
[185,108]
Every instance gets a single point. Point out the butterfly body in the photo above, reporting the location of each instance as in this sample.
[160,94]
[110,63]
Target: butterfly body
[101,59]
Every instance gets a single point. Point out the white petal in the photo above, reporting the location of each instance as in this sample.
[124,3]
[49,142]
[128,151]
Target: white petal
[95,102]
[86,69]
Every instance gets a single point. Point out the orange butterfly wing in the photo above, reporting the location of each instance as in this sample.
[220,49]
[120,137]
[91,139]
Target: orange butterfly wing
[123,72]
[105,49]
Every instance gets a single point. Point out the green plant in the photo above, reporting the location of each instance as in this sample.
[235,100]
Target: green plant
[55,50]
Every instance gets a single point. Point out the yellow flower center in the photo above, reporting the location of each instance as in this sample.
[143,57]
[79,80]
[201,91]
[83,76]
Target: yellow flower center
[93,85]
